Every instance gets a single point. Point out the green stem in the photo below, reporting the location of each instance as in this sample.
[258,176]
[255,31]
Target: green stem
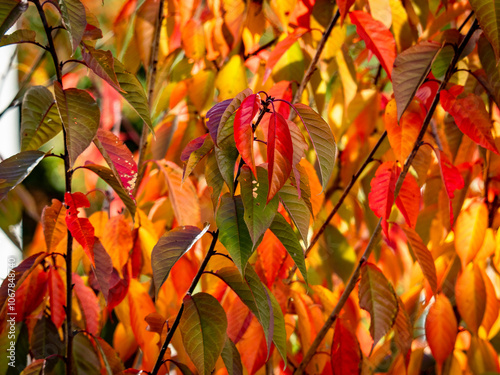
[375,235]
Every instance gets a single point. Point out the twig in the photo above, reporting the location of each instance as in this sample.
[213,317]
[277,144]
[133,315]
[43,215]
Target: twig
[374,238]
[314,61]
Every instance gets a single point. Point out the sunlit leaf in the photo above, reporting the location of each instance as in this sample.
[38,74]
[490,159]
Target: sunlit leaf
[214,178]
[101,62]
[214,116]
[10,11]
[133,92]
[322,139]
[57,295]
[80,116]
[489,64]
[54,224]
[470,116]
[40,119]
[203,327]
[112,180]
[89,304]
[15,169]
[119,158]
[81,228]
[346,353]
[470,294]
[279,154]
[423,255]
[492,303]
[470,230]
[377,296]
[284,232]
[18,36]
[233,230]
[243,129]
[231,79]
[378,38]
[196,155]
[258,215]
[441,328]
[451,178]
[228,112]
[403,134]
[74,20]
[171,246]
[486,12]
[408,200]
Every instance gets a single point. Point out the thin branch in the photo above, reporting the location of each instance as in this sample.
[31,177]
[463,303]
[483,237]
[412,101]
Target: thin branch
[314,61]
[374,238]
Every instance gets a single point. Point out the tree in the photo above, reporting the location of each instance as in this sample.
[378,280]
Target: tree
[208,221]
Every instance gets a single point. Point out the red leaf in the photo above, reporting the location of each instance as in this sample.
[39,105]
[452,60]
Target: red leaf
[470,115]
[282,90]
[118,290]
[119,158]
[57,295]
[346,353]
[378,38]
[452,179]
[408,200]
[279,154]
[243,132]
[81,228]
[272,255]
[280,50]
[344,6]
[192,146]
[89,304]
[301,15]
[381,197]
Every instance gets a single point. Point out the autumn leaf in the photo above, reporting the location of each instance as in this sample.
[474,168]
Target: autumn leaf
[102,63]
[381,196]
[74,19]
[451,177]
[470,294]
[243,129]
[203,327]
[346,354]
[408,200]
[231,358]
[470,116]
[194,153]
[54,226]
[441,328]
[214,116]
[486,12]
[57,295]
[89,304]
[81,228]
[377,296]
[378,38]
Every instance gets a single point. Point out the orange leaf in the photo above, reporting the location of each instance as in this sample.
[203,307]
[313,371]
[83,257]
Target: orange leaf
[344,6]
[492,305]
[57,295]
[252,347]
[470,115]
[408,200]
[346,353]
[272,254]
[279,154]
[470,294]
[378,38]
[470,230]
[54,226]
[89,304]
[402,135]
[117,240]
[441,328]
[239,318]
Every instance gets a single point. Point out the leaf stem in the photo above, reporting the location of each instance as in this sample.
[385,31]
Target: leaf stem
[374,238]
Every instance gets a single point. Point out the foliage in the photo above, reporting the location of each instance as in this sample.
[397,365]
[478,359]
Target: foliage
[249,186]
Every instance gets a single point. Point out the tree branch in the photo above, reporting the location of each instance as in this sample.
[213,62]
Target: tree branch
[374,238]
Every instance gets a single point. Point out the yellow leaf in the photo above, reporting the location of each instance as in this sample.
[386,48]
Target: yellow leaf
[231,79]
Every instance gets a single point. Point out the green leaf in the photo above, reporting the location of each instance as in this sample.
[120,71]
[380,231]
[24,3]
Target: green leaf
[18,36]
[342,257]
[297,209]
[486,55]
[284,232]
[74,19]
[487,13]
[231,358]
[16,168]
[133,92]
[11,213]
[442,61]
[85,358]
[80,116]
[322,139]
[214,178]
[411,67]
[229,111]
[279,332]
[111,179]
[101,63]
[233,231]
[10,11]
[305,187]
[258,216]
[45,339]
[253,294]
[40,121]
[377,296]
[203,328]
[184,369]
[227,153]
[170,248]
